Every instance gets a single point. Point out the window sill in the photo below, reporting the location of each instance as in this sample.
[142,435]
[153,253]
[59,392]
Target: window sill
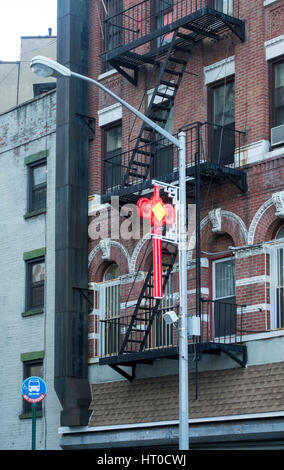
[257,152]
[107,74]
[29,415]
[266,3]
[31,214]
[29,313]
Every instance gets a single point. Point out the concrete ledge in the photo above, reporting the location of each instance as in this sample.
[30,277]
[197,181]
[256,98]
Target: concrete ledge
[242,433]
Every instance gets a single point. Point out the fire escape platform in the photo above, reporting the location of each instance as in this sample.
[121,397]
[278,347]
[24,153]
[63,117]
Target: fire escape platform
[215,171]
[234,351]
[205,22]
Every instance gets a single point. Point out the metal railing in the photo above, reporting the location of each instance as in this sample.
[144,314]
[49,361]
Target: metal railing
[140,20]
[215,143]
[113,332]
[219,145]
[116,166]
[220,323]
[223,321]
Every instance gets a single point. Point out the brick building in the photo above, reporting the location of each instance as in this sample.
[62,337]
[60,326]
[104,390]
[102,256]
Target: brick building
[27,187]
[215,70]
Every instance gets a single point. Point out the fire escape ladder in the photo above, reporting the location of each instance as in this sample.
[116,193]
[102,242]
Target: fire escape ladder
[167,85]
[146,308]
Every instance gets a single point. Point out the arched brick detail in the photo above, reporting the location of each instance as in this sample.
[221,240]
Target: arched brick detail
[140,254]
[264,223]
[206,235]
[266,226]
[147,260]
[231,224]
[235,227]
[100,258]
[97,269]
[219,242]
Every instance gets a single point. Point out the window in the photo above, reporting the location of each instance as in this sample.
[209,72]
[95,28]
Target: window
[40,88]
[112,156]
[224,297]
[225,6]
[277,282]
[278,94]
[163,17]
[114,36]
[223,113]
[35,284]
[163,152]
[32,368]
[37,186]
[111,310]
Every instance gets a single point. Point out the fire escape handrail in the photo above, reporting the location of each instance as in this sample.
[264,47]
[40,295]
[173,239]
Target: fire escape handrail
[143,15]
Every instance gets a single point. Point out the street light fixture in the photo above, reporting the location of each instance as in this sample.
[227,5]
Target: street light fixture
[45,67]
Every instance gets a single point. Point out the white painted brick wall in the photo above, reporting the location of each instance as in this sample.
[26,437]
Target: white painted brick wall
[24,131]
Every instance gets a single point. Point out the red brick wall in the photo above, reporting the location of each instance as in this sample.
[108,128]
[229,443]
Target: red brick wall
[252,104]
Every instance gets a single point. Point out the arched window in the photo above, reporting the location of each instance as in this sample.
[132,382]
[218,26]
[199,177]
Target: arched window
[280,233]
[112,272]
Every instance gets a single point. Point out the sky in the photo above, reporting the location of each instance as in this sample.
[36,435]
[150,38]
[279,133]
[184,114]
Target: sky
[24,18]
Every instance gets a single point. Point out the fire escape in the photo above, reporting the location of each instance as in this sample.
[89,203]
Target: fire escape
[162,35]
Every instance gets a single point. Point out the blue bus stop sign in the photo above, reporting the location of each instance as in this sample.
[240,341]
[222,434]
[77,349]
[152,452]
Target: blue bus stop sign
[34,389]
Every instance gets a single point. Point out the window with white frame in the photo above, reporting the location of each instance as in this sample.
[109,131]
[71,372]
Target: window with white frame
[277,282]
[224,296]
[110,310]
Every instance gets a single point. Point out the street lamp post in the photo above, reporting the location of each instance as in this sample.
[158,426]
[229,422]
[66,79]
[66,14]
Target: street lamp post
[45,67]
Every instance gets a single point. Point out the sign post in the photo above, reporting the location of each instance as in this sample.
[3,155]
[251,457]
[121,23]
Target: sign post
[34,391]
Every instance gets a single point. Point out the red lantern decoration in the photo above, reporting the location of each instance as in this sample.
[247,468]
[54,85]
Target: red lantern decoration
[159,214]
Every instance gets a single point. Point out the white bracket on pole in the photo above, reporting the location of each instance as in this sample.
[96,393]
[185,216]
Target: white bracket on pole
[171,235]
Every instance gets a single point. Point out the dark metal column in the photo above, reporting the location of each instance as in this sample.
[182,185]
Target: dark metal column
[71,233]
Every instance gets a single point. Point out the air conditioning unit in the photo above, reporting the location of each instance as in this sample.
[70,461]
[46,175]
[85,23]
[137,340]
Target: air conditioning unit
[277,135]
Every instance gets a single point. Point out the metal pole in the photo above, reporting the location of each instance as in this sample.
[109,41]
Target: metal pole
[183,346]
[198,246]
[33,426]
[197,202]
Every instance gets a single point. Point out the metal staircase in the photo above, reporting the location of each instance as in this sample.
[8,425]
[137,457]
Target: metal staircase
[147,308]
[167,85]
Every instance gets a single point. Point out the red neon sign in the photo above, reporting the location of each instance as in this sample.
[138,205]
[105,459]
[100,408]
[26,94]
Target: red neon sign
[159,214]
